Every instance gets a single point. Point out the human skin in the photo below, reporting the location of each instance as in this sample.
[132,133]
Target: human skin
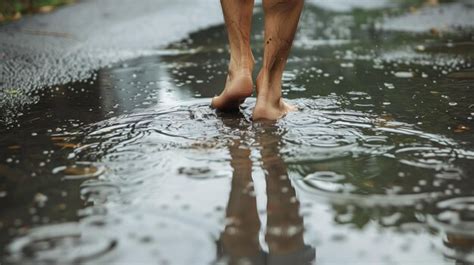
[239,85]
[281,21]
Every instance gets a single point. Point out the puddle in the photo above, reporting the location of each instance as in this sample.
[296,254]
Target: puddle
[134,166]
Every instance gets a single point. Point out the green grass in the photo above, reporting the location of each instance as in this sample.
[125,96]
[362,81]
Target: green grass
[13,9]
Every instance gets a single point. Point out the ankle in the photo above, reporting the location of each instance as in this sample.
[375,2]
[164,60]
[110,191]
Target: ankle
[268,88]
[235,71]
[244,63]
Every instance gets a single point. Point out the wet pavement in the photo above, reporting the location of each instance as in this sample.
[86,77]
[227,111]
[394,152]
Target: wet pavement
[132,166]
[69,44]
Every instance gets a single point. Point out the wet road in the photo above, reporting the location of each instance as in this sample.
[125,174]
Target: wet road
[132,166]
[71,43]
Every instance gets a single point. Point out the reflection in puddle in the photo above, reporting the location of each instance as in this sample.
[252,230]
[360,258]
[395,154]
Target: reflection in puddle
[150,159]
[454,219]
[284,229]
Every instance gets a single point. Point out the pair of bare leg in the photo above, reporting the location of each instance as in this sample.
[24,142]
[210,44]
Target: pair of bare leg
[281,21]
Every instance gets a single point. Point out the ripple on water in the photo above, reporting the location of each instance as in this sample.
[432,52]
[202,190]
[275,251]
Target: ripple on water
[443,160]
[390,150]
[121,156]
[426,157]
[60,244]
[328,181]
[320,131]
[315,117]
[201,172]
[454,219]
[353,157]
[455,215]
[129,235]
[317,143]
[189,122]
[323,138]
[98,191]
[124,138]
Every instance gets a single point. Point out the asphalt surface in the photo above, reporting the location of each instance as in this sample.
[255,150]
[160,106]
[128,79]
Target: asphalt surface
[70,43]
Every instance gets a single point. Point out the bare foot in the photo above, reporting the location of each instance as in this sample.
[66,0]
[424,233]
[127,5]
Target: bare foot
[270,105]
[238,87]
[269,111]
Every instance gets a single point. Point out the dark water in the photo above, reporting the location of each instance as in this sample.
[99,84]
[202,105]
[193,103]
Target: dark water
[132,166]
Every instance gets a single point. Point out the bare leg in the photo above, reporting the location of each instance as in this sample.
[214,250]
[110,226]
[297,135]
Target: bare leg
[281,21]
[239,85]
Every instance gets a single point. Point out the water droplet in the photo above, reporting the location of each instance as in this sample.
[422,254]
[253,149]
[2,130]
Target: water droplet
[403,74]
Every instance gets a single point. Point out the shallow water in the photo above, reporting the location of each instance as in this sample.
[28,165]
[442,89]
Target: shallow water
[133,166]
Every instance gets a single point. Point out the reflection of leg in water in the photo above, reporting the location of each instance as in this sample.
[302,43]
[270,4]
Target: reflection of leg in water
[240,237]
[284,233]
[461,245]
[284,226]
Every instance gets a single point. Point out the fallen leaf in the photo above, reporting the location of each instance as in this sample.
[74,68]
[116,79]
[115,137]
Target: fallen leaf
[368,183]
[67,145]
[46,9]
[461,128]
[16,16]
[74,171]
[435,32]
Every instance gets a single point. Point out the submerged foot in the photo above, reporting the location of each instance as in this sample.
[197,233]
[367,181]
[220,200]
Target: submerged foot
[238,87]
[270,105]
[267,110]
